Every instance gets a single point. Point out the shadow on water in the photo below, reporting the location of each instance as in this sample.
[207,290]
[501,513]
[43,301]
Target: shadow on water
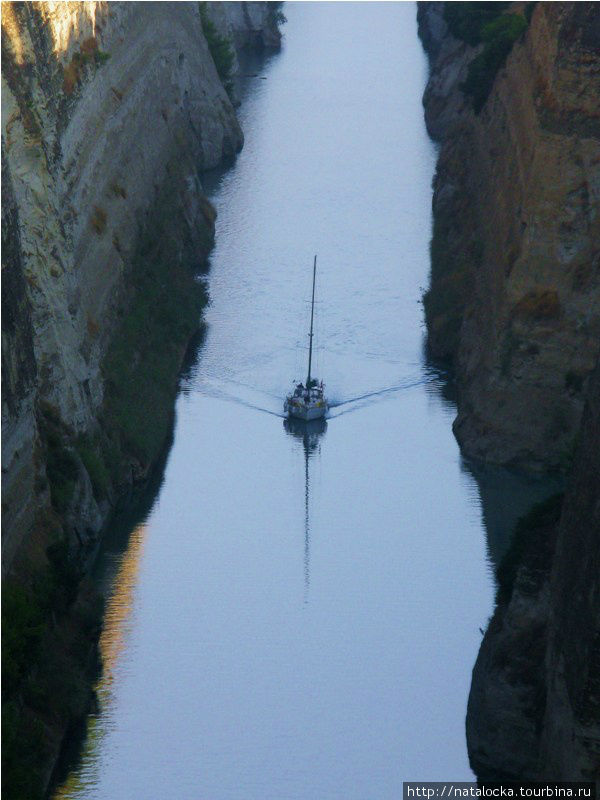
[252,69]
[505,494]
[190,361]
[119,552]
[310,434]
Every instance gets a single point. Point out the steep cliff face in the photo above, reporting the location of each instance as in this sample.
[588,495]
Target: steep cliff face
[534,706]
[515,291]
[514,303]
[570,740]
[18,378]
[110,112]
[248,25]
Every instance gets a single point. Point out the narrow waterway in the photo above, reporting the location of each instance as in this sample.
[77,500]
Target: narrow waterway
[298,616]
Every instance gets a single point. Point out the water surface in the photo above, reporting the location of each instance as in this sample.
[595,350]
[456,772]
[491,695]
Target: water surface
[299,615]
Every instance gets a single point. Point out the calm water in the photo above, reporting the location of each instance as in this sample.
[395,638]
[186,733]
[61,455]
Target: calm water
[298,617]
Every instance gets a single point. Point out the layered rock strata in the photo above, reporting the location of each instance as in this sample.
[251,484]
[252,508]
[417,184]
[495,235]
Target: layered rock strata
[515,292]
[110,113]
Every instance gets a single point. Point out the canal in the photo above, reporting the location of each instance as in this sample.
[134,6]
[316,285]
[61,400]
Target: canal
[298,615]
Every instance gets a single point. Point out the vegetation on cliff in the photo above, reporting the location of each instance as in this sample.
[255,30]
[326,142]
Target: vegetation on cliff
[498,37]
[466,21]
[276,15]
[220,48]
[487,23]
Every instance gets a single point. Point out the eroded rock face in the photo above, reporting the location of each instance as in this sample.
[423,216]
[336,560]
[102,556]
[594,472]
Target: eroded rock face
[19,372]
[110,112]
[247,25]
[534,705]
[515,304]
[515,294]
[107,109]
[570,739]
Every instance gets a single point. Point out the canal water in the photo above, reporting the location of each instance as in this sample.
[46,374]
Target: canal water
[299,614]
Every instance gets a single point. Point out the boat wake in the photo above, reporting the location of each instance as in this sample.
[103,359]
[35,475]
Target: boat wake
[362,400]
[220,393]
[338,407]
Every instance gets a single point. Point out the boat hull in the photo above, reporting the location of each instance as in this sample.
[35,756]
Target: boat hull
[306,412]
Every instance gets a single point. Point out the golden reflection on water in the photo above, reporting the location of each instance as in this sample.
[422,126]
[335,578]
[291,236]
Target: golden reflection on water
[115,632]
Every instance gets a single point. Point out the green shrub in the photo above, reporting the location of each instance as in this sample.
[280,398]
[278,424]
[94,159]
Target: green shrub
[90,454]
[63,573]
[466,21]
[574,381]
[498,36]
[46,666]
[220,48]
[276,16]
[100,57]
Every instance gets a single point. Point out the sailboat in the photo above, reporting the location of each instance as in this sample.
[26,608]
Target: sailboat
[308,401]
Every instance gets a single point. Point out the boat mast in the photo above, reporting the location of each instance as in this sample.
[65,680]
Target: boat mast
[312,314]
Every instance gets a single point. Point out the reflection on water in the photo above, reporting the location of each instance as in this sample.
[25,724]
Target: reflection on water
[506,496]
[309,433]
[118,621]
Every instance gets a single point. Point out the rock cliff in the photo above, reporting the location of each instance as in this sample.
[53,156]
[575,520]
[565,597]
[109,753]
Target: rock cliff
[110,113]
[514,304]
[534,706]
[515,290]
[253,25]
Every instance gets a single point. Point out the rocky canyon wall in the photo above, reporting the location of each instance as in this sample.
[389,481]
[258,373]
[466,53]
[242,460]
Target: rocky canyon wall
[514,300]
[534,706]
[514,304]
[110,113]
